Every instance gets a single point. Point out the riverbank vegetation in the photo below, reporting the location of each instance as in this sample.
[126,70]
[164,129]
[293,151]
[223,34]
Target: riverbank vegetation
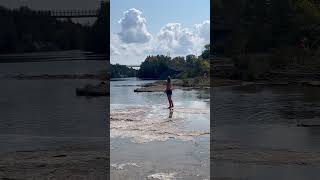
[188,72]
[264,38]
[122,71]
[191,66]
[25,30]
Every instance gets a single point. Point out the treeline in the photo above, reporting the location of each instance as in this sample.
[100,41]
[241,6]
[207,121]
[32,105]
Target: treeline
[25,30]
[122,71]
[263,36]
[160,66]
[264,25]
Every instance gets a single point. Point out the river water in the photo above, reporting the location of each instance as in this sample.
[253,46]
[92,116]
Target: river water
[149,141]
[46,113]
[261,117]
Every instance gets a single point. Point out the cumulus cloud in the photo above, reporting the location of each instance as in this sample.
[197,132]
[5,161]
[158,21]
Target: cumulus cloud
[124,53]
[203,30]
[133,27]
[133,43]
[175,39]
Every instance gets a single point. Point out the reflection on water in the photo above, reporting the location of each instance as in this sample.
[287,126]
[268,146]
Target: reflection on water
[170,113]
[162,142]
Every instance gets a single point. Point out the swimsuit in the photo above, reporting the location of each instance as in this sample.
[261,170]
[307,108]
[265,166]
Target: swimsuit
[169,92]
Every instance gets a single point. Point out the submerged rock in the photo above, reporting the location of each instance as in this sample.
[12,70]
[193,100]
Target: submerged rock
[93,90]
[140,125]
[311,83]
[314,122]
[242,154]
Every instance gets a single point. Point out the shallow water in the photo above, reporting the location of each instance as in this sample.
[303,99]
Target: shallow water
[160,143]
[45,113]
[267,117]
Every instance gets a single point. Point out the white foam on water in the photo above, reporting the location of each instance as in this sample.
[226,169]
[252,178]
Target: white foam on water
[121,166]
[141,126]
[162,176]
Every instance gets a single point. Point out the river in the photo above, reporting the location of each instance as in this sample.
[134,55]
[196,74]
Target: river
[261,123]
[149,141]
[46,113]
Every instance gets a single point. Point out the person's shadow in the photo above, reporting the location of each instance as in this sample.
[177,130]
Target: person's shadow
[170,113]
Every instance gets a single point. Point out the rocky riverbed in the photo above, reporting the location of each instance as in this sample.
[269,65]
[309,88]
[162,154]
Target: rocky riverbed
[71,162]
[237,153]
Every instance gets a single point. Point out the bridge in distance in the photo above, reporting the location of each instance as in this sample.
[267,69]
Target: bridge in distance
[94,13]
[133,66]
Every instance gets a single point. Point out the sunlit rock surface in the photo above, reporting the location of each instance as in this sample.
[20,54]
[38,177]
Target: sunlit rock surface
[144,124]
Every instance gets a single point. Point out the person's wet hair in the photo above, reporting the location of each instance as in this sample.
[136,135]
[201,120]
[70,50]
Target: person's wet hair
[169,79]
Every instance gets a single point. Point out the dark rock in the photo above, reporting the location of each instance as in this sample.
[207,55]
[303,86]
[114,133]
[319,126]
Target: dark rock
[93,90]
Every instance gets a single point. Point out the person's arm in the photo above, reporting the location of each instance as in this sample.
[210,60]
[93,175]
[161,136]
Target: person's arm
[166,87]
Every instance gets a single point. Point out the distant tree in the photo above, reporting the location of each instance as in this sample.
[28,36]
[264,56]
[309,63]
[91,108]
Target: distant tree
[24,30]
[191,58]
[161,66]
[122,71]
[206,52]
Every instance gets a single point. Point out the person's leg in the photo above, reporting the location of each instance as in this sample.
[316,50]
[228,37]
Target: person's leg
[169,100]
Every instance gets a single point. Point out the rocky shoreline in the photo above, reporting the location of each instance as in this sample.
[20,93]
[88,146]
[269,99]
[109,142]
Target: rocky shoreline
[189,84]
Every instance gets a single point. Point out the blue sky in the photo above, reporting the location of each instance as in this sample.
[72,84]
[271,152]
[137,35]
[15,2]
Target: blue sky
[150,27]
[160,12]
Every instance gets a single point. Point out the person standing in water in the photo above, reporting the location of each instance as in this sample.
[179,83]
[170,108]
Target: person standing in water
[168,91]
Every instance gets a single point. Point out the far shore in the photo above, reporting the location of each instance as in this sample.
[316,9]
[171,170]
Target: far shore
[194,83]
[97,76]
[184,84]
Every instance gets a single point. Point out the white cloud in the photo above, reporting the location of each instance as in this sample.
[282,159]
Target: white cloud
[133,27]
[177,40]
[134,42]
[127,53]
[203,30]
[113,50]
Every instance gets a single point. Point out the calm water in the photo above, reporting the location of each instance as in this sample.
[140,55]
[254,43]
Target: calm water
[47,113]
[184,159]
[267,117]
